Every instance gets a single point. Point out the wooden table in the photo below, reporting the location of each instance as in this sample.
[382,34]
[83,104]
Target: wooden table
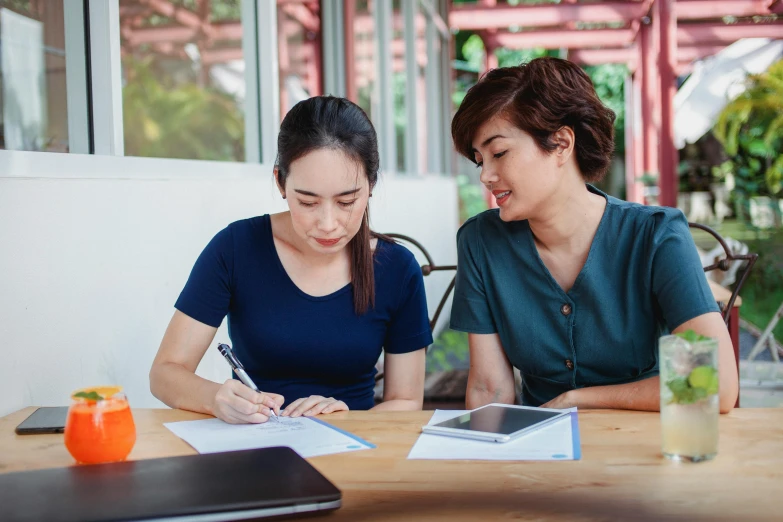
[621,476]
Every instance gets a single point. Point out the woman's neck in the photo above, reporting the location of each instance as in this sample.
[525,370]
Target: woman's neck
[570,218]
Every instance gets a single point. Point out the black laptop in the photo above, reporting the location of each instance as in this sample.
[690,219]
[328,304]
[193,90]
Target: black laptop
[236,485]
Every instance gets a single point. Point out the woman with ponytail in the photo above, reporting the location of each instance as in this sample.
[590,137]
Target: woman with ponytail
[312,295]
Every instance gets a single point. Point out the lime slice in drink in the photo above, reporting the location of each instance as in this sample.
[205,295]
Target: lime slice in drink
[704,377]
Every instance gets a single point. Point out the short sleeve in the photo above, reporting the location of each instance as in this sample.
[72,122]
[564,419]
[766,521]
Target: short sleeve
[470,310]
[409,328]
[207,293]
[678,281]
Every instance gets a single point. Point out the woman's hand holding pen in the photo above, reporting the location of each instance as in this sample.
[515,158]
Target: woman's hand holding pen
[235,403]
[313,405]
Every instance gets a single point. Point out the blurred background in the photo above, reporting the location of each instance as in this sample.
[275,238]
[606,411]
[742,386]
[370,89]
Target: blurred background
[133,130]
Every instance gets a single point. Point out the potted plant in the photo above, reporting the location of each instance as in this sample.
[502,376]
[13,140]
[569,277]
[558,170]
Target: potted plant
[751,131]
[651,189]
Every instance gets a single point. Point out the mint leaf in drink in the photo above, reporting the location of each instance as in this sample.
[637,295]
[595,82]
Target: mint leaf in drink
[678,386]
[699,384]
[91,396]
[692,337]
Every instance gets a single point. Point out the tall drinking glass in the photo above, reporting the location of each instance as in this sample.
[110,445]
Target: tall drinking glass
[689,396]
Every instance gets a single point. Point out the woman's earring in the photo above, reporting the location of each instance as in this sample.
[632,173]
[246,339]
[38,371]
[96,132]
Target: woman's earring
[370,194]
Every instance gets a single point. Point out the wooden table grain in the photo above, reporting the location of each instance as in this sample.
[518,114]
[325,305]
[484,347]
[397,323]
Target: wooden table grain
[621,476]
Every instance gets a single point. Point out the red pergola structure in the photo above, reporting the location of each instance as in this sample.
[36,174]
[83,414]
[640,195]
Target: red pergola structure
[219,42]
[657,39]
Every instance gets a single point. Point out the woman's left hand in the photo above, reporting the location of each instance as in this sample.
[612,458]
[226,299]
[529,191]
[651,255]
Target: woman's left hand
[313,405]
[562,401]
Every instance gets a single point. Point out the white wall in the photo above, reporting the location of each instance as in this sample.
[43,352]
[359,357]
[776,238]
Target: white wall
[94,251]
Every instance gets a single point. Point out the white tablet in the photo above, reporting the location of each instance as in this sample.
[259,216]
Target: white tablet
[496,422]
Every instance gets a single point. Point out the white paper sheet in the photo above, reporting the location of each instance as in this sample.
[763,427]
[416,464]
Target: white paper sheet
[308,437]
[557,441]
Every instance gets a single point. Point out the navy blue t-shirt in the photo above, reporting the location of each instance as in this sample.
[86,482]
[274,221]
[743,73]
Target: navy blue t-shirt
[296,344]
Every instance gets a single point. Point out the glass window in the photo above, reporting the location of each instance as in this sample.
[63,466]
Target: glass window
[33,104]
[398,81]
[183,79]
[360,61]
[299,51]
[421,88]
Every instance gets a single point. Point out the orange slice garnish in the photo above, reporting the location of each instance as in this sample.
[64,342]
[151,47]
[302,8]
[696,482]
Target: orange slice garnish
[96,393]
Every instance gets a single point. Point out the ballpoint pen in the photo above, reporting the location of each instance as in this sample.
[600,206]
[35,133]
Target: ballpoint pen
[226,351]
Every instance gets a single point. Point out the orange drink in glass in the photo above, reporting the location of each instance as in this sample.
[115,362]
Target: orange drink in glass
[99,427]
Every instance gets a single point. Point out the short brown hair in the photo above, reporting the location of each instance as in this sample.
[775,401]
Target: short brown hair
[541,97]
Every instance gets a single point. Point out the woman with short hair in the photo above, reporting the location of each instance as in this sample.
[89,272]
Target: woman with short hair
[569,285]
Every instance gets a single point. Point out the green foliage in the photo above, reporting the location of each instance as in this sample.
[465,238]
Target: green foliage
[609,82]
[449,351]
[512,57]
[20,6]
[751,130]
[473,51]
[166,119]
[763,291]
[692,337]
[471,198]
[400,116]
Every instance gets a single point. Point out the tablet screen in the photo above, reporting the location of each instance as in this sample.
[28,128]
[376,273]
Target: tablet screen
[497,419]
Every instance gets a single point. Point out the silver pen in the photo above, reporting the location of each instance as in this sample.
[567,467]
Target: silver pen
[226,351]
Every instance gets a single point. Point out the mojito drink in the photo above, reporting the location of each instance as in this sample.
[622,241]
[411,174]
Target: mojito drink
[689,396]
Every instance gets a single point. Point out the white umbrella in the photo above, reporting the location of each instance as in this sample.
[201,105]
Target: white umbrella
[716,81]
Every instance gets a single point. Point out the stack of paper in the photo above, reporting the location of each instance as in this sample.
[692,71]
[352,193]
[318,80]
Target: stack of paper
[307,436]
[557,441]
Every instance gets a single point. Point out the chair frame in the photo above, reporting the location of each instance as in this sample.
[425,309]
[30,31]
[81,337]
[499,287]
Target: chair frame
[724,265]
[427,269]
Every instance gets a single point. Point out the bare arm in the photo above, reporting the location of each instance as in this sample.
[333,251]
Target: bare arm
[491,377]
[645,394]
[403,387]
[173,379]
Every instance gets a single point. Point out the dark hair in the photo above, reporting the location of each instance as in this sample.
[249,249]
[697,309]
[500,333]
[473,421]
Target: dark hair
[327,122]
[540,98]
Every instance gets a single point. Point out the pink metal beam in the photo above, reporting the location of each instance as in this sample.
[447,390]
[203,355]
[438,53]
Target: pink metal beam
[636,192]
[477,17]
[160,34]
[667,57]
[175,34]
[555,39]
[705,9]
[598,56]
[687,35]
[213,56]
[302,14]
[726,33]
[629,55]
[351,87]
[630,150]
[649,99]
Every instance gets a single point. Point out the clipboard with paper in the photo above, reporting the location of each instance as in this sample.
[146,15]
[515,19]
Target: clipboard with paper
[559,440]
[307,436]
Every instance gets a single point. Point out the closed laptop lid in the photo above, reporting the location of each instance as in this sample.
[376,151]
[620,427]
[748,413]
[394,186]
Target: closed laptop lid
[218,486]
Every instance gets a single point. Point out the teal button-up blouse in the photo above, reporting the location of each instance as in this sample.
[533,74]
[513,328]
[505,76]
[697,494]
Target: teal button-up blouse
[642,278]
